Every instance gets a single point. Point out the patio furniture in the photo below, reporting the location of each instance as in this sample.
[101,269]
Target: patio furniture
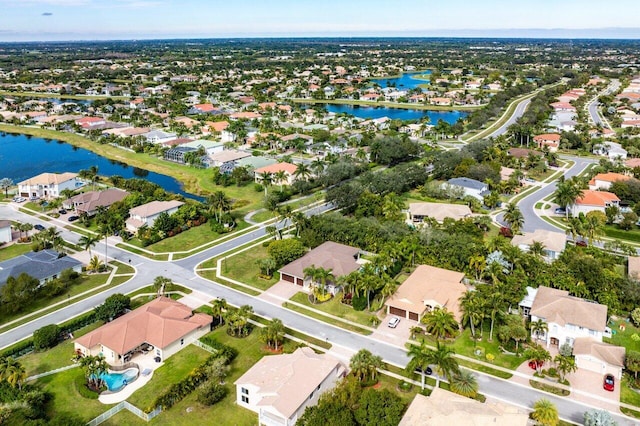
[146,371]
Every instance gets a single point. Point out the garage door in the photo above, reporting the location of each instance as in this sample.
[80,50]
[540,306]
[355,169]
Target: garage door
[288,278]
[413,316]
[399,312]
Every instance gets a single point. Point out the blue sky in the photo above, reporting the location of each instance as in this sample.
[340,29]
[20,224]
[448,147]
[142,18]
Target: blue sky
[126,19]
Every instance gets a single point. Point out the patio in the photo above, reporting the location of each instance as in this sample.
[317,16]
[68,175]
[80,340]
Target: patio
[147,365]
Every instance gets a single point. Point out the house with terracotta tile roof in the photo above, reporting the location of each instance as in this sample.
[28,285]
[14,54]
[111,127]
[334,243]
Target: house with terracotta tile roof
[162,325]
[146,214]
[563,106]
[603,181]
[48,185]
[288,169]
[246,115]
[89,202]
[426,289]
[280,387]
[593,201]
[550,140]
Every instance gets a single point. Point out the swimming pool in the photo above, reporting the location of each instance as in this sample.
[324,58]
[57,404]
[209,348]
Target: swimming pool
[115,381]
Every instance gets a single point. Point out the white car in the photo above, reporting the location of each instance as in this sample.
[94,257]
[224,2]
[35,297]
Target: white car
[393,322]
[19,199]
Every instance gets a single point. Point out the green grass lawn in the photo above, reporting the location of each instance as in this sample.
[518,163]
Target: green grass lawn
[211,275]
[623,338]
[14,250]
[613,231]
[57,357]
[627,395]
[262,216]
[336,308]
[243,267]
[174,369]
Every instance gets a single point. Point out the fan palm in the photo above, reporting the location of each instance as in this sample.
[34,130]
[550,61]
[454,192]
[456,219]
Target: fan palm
[464,383]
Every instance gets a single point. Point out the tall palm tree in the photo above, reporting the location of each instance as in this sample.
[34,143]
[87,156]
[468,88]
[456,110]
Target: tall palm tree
[420,359]
[440,323]
[219,307]
[303,172]
[566,193]
[325,276]
[464,383]
[317,166]
[273,333]
[593,224]
[444,361]
[311,272]
[12,371]
[495,303]
[88,241]
[538,328]
[160,283]
[5,184]
[105,231]
[545,413]
[472,310]
[266,178]
[280,176]
[219,203]
[575,228]
[514,218]
[364,364]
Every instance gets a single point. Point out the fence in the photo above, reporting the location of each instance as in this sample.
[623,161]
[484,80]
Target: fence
[204,346]
[48,373]
[124,405]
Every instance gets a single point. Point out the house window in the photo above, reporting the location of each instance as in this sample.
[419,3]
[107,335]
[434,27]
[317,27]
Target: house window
[245,399]
[318,388]
[244,391]
[311,396]
[182,341]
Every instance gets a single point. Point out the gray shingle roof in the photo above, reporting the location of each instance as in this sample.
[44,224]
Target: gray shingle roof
[40,265]
[468,183]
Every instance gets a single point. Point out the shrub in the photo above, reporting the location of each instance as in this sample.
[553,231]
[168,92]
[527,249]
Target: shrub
[46,337]
[565,350]
[81,386]
[359,303]
[635,317]
[286,251]
[210,393]
[19,349]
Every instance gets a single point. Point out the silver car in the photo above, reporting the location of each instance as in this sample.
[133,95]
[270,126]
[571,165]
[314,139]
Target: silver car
[393,322]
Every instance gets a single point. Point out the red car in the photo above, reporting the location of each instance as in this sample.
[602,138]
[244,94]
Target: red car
[535,365]
[609,383]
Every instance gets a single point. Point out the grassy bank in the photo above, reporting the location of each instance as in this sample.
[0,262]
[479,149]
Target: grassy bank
[398,105]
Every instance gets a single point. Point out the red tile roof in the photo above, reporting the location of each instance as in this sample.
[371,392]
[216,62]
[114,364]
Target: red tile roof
[596,198]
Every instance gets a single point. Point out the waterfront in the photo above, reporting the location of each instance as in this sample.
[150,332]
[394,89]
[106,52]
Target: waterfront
[22,157]
[396,113]
[405,81]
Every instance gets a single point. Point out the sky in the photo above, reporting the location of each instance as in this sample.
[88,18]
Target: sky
[44,20]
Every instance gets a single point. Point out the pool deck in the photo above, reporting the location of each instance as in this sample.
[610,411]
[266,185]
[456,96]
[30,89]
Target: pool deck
[145,362]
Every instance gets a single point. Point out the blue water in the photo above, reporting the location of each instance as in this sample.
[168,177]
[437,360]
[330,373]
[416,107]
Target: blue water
[405,81]
[22,157]
[116,381]
[396,113]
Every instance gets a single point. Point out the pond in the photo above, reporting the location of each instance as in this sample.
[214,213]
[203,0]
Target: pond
[368,112]
[406,81]
[22,157]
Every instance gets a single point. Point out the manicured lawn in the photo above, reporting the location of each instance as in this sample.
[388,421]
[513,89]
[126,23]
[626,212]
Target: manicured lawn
[211,275]
[627,395]
[14,250]
[624,338]
[336,308]
[613,231]
[262,216]
[59,356]
[243,267]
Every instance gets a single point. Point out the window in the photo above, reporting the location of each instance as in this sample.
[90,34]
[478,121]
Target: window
[311,396]
[318,388]
[244,391]
[182,341]
[245,399]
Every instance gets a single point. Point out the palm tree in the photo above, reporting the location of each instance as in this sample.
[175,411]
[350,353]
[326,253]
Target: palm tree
[472,310]
[565,365]
[443,359]
[94,368]
[495,302]
[219,203]
[105,230]
[94,264]
[537,354]
[464,383]
[537,248]
[218,308]
[88,241]
[566,193]
[363,363]
[440,323]
[280,176]
[266,178]
[420,359]
[538,328]
[324,276]
[160,283]
[545,413]
[311,272]
[12,371]
[513,217]
[5,184]
[317,166]
[303,172]
[593,224]
[575,228]
[273,333]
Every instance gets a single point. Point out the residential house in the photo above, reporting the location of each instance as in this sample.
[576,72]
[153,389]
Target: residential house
[255,162]
[90,122]
[550,140]
[288,168]
[42,265]
[48,185]
[163,325]
[567,317]
[599,357]
[438,211]
[563,107]
[209,147]
[226,160]
[159,136]
[89,202]
[611,150]
[603,181]
[5,231]
[425,289]
[339,258]
[146,214]
[445,408]
[470,187]
[280,387]
[203,109]
[593,201]
[553,242]
[633,267]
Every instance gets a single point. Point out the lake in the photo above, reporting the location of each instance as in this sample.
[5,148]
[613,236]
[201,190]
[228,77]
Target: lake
[405,81]
[396,113]
[22,157]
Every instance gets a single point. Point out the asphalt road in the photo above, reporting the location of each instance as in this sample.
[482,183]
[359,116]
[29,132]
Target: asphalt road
[593,105]
[520,109]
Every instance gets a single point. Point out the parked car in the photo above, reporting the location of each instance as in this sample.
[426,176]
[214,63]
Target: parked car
[427,372]
[581,243]
[560,210]
[62,211]
[393,322]
[19,199]
[73,218]
[38,227]
[609,383]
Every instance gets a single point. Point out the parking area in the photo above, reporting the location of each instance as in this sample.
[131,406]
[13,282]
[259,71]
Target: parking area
[589,382]
[396,336]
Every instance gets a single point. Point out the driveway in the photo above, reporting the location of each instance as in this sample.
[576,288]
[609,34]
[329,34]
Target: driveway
[396,336]
[588,389]
[280,292]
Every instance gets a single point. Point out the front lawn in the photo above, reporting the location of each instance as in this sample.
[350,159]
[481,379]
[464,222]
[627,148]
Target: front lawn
[338,309]
[14,250]
[243,267]
[613,231]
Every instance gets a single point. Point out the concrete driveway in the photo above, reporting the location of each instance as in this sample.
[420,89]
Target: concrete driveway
[280,292]
[588,389]
[396,336]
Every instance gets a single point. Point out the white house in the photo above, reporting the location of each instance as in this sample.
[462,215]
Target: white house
[553,242]
[48,185]
[438,211]
[604,181]
[280,387]
[471,187]
[567,317]
[599,357]
[147,214]
[593,201]
[5,231]
[612,150]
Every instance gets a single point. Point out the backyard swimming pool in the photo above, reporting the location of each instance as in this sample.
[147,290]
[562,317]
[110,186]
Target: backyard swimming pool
[115,381]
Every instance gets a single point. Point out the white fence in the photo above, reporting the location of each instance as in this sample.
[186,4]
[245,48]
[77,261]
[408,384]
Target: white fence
[124,405]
